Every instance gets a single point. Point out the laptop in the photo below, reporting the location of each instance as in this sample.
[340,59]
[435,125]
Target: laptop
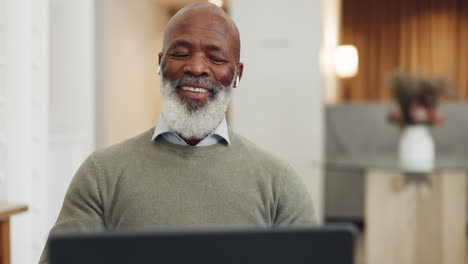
[318,245]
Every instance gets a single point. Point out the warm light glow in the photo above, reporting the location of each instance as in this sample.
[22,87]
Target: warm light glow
[346,61]
[217,2]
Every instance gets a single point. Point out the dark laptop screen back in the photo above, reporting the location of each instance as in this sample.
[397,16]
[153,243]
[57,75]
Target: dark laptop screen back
[330,245]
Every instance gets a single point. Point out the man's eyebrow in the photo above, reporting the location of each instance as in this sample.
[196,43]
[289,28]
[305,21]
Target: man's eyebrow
[213,47]
[181,43]
[186,44]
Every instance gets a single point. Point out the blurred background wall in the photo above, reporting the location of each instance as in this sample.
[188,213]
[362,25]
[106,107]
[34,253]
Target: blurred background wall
[71,128]
[48,79]
[128,40]
[278,104]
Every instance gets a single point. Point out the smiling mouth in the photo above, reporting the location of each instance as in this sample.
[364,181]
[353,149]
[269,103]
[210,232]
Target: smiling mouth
[192,93]
[195,89]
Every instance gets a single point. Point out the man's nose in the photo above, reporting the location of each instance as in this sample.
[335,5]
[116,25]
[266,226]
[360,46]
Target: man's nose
[197,66]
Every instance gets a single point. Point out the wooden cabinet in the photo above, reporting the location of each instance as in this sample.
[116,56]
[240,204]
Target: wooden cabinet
[7,210]
[417,219]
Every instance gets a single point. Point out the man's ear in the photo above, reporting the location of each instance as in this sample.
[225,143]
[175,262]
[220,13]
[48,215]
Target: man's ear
[159,63]
[240,71]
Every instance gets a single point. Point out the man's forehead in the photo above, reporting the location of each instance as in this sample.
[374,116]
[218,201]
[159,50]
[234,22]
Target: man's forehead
[200,23]
[209,27]
[205,20]
[206,43]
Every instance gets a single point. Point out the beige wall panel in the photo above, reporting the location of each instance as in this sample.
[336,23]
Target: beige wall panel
[129,38]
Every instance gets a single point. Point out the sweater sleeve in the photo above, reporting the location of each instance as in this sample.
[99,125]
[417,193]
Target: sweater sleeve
[294,205]
[82,208]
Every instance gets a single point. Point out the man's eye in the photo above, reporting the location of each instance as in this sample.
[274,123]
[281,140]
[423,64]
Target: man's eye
[217,60]
[179,55]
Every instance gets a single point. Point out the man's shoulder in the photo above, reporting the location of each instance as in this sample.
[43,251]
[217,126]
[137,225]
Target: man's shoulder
[127,147]
[257,153]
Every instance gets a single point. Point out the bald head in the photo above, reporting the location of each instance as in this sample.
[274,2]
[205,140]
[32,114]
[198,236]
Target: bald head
[204,16]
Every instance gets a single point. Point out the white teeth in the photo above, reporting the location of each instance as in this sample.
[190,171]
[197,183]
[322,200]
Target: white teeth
[194,89]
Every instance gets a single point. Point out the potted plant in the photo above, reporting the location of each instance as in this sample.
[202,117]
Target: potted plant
[415,112]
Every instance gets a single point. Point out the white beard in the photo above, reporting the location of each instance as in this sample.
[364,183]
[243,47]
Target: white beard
[192,123]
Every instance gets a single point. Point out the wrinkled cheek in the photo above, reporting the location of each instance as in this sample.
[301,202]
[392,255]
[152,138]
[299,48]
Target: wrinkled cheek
[226,78]
[171,70]
[226,81]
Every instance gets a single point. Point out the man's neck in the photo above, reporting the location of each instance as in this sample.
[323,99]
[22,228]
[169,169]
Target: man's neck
[191,141]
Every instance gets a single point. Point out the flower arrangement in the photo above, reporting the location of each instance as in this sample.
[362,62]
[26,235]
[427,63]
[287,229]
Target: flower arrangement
[417,98]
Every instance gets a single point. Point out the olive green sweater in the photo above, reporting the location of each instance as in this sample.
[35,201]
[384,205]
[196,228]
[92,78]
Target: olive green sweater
[141,183]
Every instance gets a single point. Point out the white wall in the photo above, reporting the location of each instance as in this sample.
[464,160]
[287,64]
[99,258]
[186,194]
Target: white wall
[72,95]
[48,117]
[40,129]
[18,122]
[25,120]
[279,101]
[3,100]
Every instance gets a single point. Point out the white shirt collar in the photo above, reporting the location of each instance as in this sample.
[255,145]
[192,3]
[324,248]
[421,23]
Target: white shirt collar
[219,134]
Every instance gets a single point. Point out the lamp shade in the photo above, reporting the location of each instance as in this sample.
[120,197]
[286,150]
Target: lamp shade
[346,61]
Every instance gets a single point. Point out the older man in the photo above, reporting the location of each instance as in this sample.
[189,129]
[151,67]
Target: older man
[191,170]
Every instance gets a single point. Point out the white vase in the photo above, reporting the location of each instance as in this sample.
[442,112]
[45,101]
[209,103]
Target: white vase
[416,150]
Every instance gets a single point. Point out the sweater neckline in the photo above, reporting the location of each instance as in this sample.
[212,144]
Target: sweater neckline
[193,150]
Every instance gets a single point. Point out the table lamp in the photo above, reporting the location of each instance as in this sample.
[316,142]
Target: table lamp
[346,66]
